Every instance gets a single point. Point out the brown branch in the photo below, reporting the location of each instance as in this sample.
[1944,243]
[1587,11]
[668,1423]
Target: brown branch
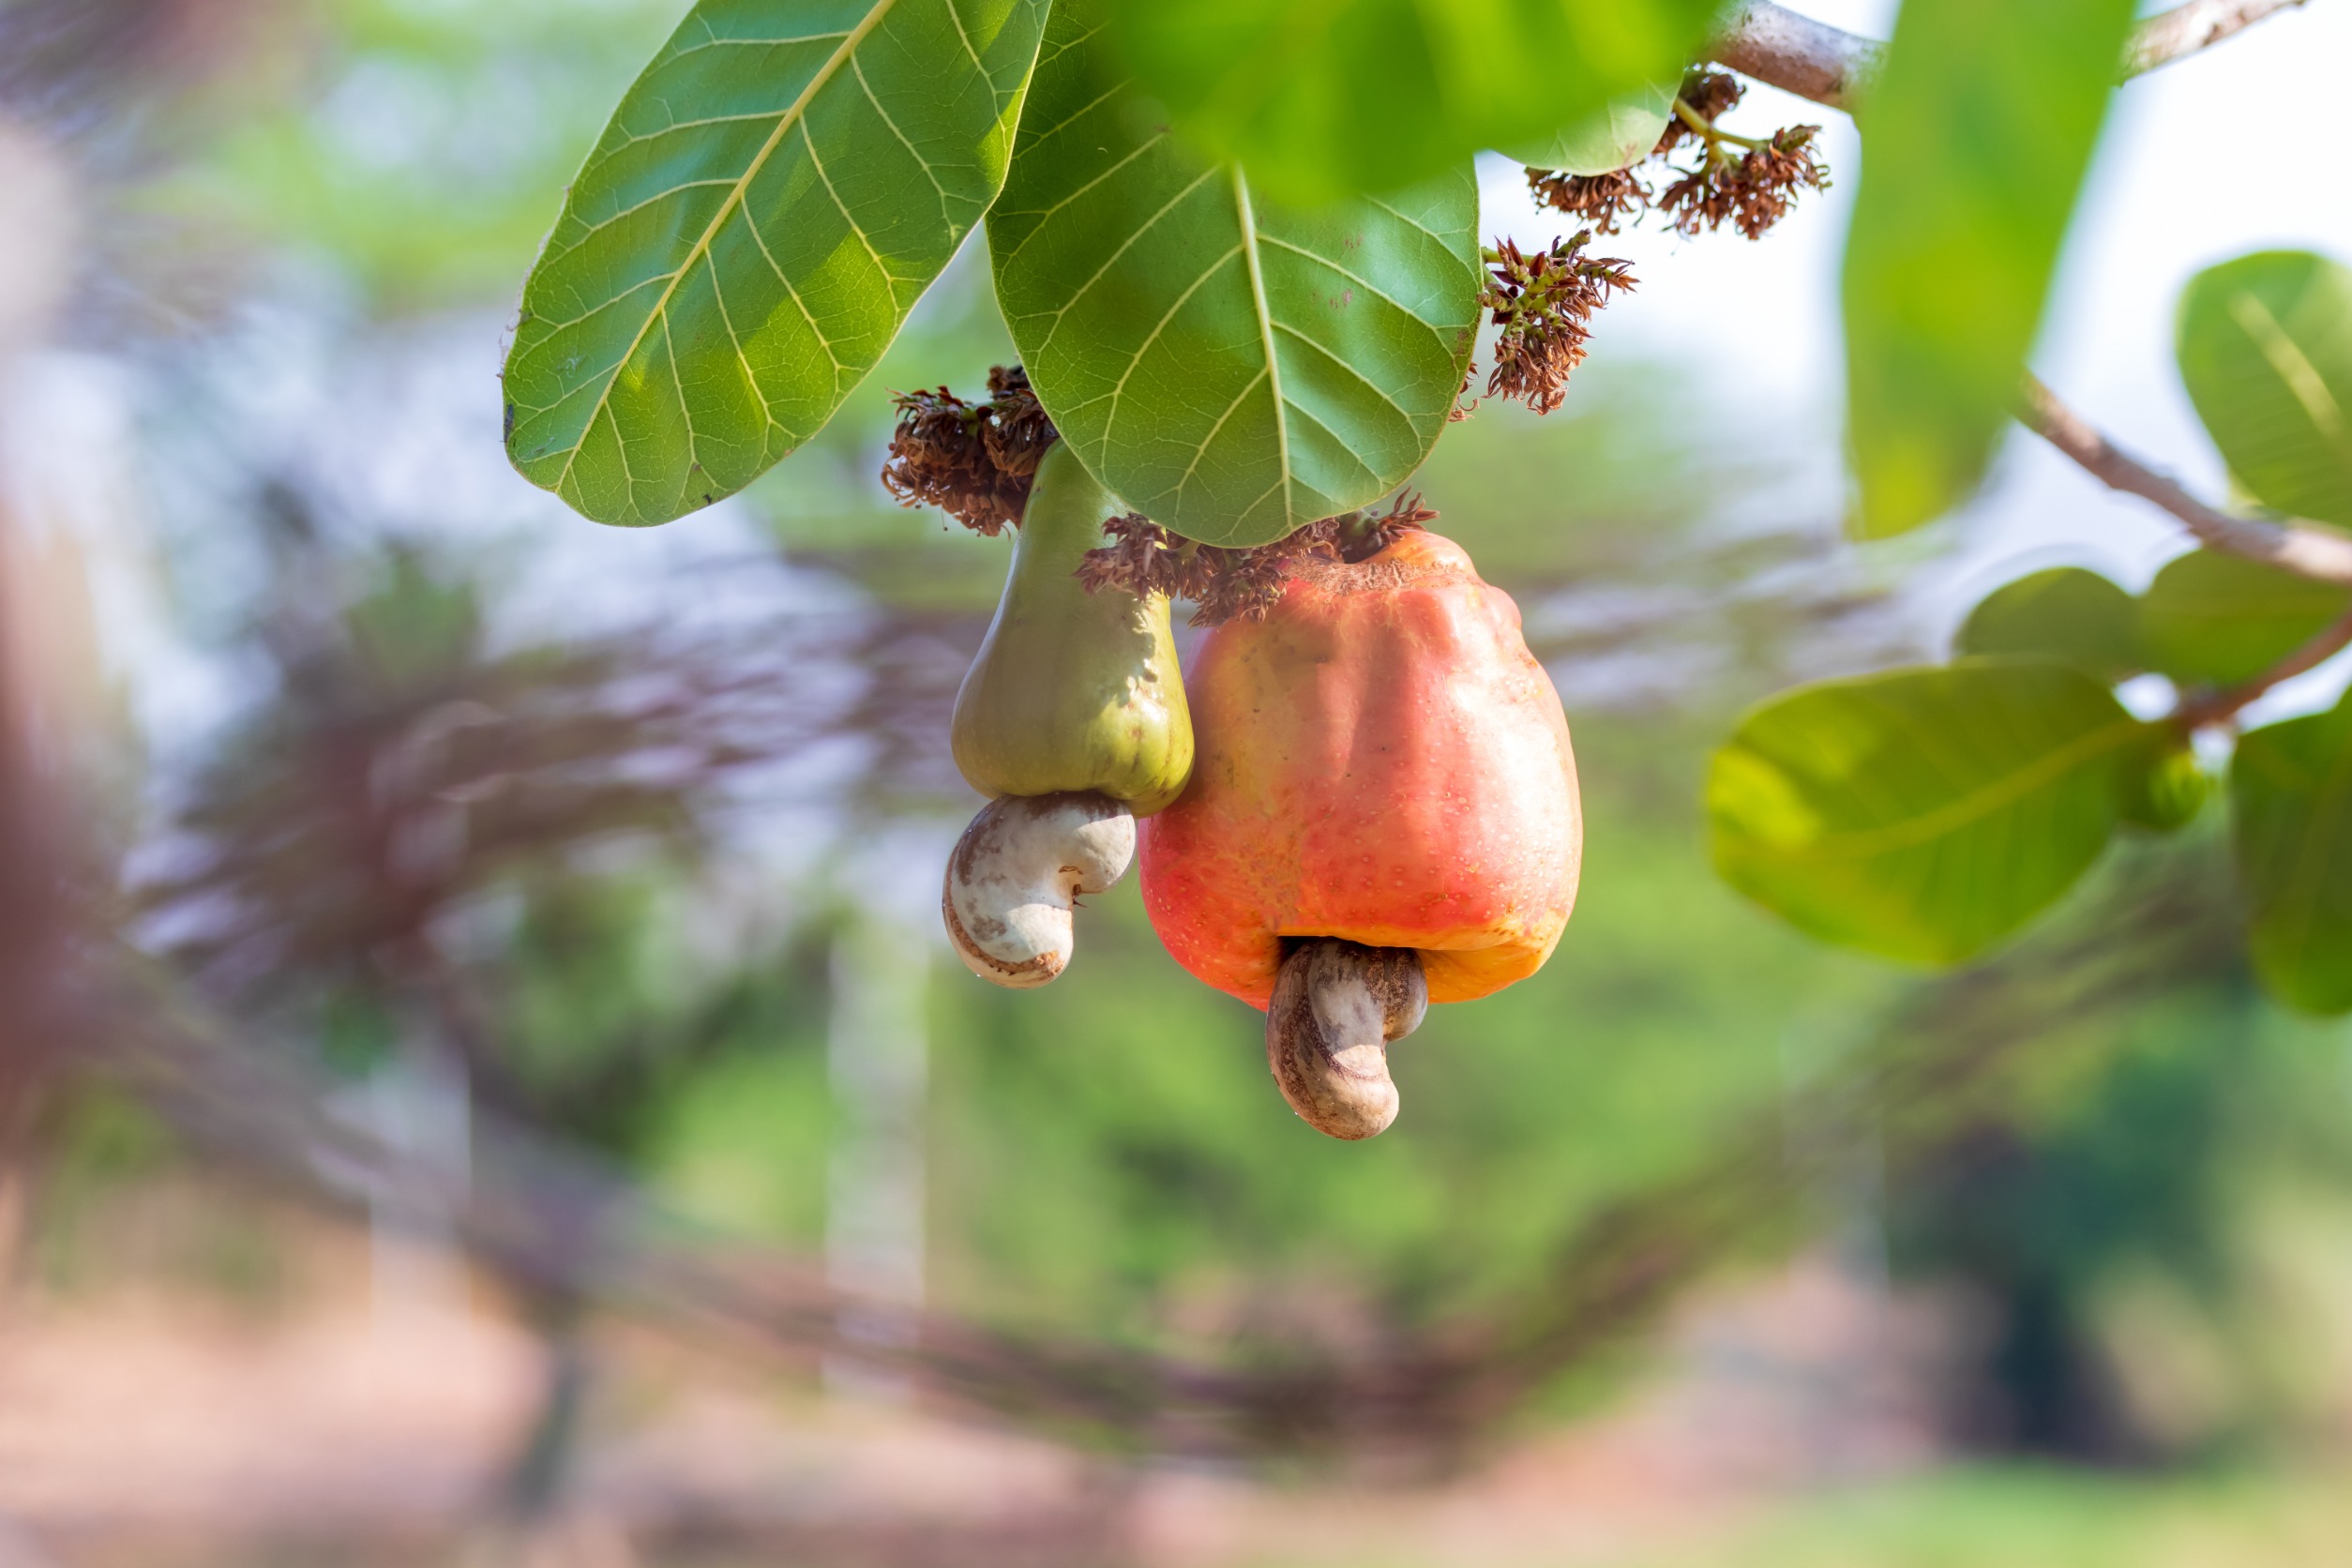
[2216,707]
[2304,548]
[1829,66]
[2186,29]
[1811,60]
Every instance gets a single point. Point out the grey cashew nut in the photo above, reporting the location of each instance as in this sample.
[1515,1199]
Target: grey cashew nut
[1337,1005]
[1015,876]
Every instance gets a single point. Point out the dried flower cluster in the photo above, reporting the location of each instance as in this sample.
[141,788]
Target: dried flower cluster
[972,461]
[1543,303]
[1750,190]
[1223,584]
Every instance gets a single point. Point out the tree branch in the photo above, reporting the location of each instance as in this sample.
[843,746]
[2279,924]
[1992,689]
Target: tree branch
[1831,66]
[2304,548]
[2214,707]
[2186,29]
[1796,54]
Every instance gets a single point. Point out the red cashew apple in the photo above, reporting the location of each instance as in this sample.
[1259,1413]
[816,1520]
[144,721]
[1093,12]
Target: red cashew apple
[1379,761]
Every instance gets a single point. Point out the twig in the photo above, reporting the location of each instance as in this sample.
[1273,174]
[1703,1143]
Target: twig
[2307,550]
[2217,707]
[2186,29]
[1829,66]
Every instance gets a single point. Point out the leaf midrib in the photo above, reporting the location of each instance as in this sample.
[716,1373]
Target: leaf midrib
[1970,808]
[1265,332]
[2304,380]
[785,122]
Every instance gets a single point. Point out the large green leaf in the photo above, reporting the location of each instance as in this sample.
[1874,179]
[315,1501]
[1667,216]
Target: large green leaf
[2291,786]
[1318,97]
[1923,814]
[1231,366]
[2266,348]
[770,200]
[2067,614]
[2210,619]
[1975,139]
[1615,137]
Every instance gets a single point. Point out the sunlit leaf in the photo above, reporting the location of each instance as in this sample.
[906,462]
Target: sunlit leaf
[1617,136]
[2291,787]
[2067,614]
[770,200]
[1318,97]
[1231,367]
[2210,619]
[2266,348]
[1923,814]
[1975,141]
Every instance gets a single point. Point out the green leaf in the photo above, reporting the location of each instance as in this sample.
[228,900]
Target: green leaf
[1923,814]
[1231,367]
[1617,138]
[2210,619]
[1320,97]
[2067,614]
[770,200]
[2291,786]
[1975,139]
[2266,348]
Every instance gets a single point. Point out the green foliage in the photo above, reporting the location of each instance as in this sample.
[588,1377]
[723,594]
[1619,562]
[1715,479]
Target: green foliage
[2266,350]
[1317,98]
[1923,814]
[1231,367]
[1978,136]
[771,199]
[2291,788]
[1615,137]
[2210,619]
[2066,613]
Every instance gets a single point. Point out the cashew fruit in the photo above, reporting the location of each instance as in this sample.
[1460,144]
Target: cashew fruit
[1381,760]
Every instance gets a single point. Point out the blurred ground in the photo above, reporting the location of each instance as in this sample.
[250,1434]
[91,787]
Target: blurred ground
[1788,1419]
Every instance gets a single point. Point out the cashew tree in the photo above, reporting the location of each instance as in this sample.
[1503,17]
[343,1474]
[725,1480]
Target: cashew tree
[1237,246]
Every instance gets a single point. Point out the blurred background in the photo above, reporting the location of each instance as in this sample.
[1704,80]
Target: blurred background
[481,1081]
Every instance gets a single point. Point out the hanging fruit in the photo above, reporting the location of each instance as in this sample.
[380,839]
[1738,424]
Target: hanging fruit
[1383,814]
[1073,718]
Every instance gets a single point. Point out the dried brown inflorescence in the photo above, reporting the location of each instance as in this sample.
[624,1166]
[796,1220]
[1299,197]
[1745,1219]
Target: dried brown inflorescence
[1752,192]
[1607,202]
[1751,189]
[972,461]
[1543,303]
[1225,585]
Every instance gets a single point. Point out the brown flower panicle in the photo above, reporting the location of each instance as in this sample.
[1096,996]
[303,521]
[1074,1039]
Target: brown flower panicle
[1543,303]
[1606,201]
[1751,190]
[1225,584]
[1751,193]
[972,461]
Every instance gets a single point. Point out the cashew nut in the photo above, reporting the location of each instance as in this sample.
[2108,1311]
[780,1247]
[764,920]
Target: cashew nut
[1015,876]
[1336,1004]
